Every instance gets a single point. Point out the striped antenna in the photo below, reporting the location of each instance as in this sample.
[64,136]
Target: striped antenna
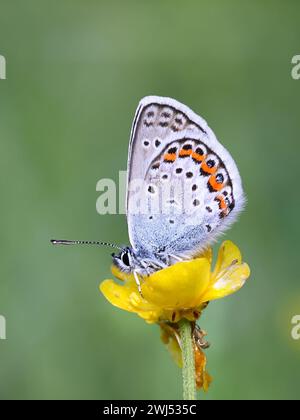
[66,242]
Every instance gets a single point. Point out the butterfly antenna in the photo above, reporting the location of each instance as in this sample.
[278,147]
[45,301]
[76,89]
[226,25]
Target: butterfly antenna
[66,242]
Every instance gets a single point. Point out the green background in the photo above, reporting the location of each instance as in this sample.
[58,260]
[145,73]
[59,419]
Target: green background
[75,73]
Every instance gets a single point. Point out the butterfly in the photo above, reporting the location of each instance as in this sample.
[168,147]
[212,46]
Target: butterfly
[183,188]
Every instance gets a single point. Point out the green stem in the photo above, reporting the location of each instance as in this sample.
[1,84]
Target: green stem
[188,358]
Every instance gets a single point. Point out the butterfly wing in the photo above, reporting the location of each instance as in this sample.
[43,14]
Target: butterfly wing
[183,186]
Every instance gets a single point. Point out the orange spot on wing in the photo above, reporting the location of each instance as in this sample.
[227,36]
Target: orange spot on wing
[207,169]
[214,184]
[222,202]
[183,152]
[170,157]
[197,157]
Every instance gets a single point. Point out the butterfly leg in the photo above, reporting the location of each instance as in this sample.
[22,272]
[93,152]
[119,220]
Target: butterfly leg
[150,265]
[137,280]
[146,267]
[172,258]
[176,257]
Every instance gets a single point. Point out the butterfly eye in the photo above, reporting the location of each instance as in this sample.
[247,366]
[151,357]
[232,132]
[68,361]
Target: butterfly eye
[125,259]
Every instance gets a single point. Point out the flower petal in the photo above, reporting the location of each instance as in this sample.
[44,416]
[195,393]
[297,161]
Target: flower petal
[171,339]
[151,317]
[178,286]
[230,282]
[229,254]
[117,295]
[127,298]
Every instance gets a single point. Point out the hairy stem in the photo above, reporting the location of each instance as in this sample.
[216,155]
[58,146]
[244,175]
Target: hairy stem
[188,358]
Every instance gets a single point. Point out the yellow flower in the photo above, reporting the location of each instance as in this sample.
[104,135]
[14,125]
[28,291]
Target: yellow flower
[181,290]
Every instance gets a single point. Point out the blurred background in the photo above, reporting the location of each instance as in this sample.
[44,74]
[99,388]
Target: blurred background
[75,73]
